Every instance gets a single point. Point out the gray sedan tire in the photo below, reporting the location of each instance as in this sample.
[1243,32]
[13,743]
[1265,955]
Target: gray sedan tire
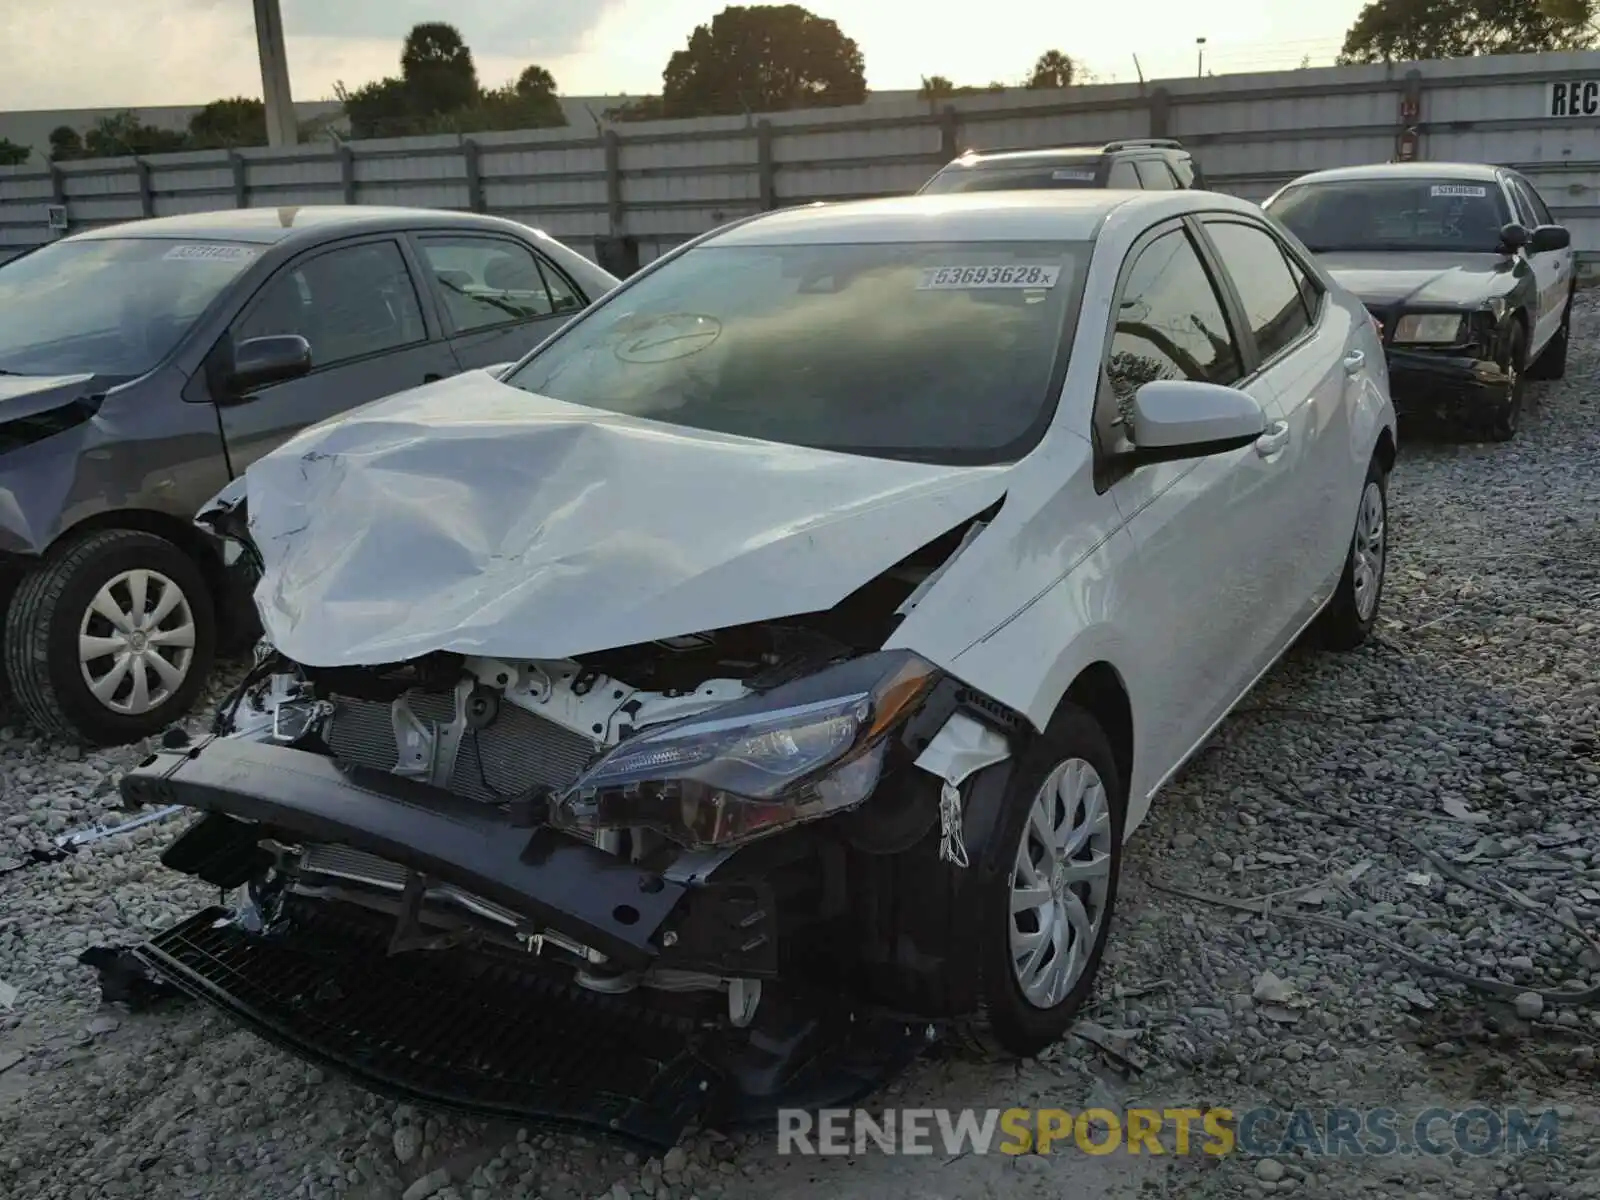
[110,639]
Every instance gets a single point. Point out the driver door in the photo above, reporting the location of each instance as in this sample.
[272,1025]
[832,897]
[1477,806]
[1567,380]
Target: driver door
[1552,269]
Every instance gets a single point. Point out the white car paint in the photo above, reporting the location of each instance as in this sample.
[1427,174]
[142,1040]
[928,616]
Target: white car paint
[474,517]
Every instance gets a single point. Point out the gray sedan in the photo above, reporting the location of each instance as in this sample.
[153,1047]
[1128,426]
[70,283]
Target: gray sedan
[145,365]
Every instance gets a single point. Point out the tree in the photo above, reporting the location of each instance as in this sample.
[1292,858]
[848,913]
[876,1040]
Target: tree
[13,155]
[535,81]
[763,58]
[645,108]
[123,134]
[65,143]
[222,124]
[437,68]
[936,87]
[379,109]
[1052,70]
[1403,30]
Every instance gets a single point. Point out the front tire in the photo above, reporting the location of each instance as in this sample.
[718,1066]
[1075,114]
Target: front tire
[1353,612]
[1052,885]
[1506,417]
[110,639]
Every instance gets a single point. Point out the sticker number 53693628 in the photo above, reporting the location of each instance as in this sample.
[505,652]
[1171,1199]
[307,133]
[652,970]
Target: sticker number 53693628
[1021,275]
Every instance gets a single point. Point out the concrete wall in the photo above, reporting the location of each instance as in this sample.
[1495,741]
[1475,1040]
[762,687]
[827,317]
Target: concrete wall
[664,182]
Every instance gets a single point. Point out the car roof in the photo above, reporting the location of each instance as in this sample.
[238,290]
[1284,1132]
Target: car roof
[1476,172]
[1065,214]
[983,158]
[268,226]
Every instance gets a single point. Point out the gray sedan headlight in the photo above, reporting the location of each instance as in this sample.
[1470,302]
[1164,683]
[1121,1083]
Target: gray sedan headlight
[1440,329]
[758,765]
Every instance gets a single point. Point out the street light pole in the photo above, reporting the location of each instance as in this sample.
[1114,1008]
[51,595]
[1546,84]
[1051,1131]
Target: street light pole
[1199,57]
[282,128]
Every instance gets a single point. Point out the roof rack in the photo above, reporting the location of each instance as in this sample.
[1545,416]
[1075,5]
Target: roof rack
[1084,147]
[1150,142]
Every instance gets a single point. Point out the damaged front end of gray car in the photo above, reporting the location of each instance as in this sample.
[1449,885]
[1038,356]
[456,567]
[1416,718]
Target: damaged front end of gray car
[684,882]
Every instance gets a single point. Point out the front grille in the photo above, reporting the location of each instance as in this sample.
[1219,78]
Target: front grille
[519,750]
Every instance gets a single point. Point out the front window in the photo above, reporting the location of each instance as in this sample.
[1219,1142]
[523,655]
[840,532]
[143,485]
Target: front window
[1031,177]
[926,351]
[1460,215]
[114,307]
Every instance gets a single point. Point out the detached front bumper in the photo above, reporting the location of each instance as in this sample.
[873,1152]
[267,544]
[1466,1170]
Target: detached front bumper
[1444,385]
[554,881]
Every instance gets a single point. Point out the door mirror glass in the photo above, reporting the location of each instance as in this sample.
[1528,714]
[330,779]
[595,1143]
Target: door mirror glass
[1184,418]
[1513,237]
[258,362]
[1549,237]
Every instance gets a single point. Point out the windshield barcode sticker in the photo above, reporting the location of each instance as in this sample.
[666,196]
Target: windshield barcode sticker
[1458,189]
[962,278]
[211,253]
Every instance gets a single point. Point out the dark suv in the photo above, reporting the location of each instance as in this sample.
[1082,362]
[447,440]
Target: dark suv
[1135,164]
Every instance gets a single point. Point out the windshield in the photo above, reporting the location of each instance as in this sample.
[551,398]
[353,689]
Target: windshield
[108,307]
[1395,214]
[1058,174]
[932,352]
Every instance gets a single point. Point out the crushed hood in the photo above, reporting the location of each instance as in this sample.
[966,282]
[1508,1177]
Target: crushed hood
[473,517]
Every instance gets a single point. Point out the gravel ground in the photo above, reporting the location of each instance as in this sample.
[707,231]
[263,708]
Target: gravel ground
[1356,821]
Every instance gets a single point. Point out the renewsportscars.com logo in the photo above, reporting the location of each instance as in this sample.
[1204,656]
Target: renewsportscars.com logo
[1257,1132]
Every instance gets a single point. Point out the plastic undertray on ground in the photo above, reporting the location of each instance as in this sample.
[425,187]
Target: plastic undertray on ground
[487,1037]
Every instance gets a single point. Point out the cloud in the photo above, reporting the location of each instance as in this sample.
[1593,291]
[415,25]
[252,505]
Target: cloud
[142,53]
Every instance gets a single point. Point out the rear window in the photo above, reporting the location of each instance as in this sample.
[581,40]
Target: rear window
[1032,177]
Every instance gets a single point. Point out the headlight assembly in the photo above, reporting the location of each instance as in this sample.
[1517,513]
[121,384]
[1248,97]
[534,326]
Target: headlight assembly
[1439,329]
[796,753]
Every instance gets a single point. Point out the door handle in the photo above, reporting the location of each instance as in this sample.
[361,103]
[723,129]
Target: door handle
[1354,361]
[1274,439]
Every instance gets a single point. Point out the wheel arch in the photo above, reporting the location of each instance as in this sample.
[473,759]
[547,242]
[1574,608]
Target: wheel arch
[187,536]
[1099,690]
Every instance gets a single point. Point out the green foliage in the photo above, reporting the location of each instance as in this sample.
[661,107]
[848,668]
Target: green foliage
[438,70]
[645,108]
[1403,30]
[223,124]
[123,134]
[65,143]
[12,154]
[763,58]
[1052,70]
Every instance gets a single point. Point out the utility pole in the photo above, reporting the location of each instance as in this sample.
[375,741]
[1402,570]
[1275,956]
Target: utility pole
[282,128]
[1199,57]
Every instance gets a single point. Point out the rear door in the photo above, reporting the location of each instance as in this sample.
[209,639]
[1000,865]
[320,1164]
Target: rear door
[1209,531]
[1154,175]
[498,297]
[1307,355]
[1552,270]
[356,302]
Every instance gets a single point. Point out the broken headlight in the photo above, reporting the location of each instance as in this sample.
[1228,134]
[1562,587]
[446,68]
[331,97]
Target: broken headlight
[758,765]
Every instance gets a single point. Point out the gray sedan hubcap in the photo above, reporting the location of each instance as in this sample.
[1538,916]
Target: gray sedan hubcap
[136,642]
[1367,551]
[1060,883]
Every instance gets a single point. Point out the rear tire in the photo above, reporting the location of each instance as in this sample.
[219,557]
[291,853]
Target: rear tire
[59,615]
[1353,612]
[1046,906]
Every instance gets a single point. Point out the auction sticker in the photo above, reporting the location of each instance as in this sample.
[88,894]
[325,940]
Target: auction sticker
[1458,189]
[1022,275]
[211,252]
[1074,176]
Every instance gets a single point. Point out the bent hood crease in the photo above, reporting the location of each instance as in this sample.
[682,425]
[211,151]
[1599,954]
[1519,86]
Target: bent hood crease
[473,517]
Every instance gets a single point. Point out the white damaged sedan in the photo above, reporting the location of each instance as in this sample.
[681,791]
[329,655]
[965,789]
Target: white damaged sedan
[813,616]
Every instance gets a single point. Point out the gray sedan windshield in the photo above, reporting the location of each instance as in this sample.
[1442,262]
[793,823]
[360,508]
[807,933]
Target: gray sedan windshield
[113,306]
[937,352]
[1464,215]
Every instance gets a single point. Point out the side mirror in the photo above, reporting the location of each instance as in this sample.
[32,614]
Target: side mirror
[1513,237]
[1549,237]
[258,362]
[1181,418]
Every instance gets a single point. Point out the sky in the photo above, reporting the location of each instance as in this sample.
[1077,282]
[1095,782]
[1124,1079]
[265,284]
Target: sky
[67,54]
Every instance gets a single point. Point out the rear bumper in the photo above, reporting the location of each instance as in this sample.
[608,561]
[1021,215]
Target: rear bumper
[554,881]
[1421,383]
